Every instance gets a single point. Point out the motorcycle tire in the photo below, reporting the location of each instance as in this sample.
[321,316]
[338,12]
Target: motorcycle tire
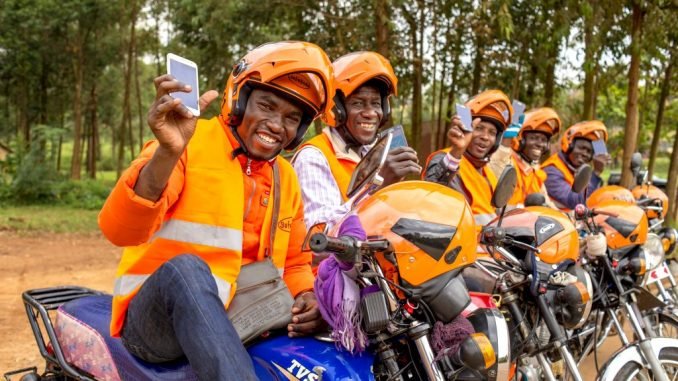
[668,358]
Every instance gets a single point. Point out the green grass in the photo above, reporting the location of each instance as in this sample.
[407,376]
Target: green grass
[43,218]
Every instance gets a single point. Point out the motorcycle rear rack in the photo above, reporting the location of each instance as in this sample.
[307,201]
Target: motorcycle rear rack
[39,302]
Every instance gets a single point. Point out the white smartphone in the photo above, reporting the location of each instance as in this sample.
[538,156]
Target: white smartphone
[518,111]
[465,116]
[185,71]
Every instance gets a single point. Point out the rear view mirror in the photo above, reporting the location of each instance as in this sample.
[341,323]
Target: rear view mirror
[582,178]
[506,185]
[366,174]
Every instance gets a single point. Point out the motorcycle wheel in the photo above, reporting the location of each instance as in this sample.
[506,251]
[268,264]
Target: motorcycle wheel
[668,358]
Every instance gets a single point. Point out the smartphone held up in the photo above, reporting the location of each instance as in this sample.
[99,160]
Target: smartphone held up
[185,71]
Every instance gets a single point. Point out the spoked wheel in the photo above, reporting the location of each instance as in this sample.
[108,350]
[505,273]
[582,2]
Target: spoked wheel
[668,358]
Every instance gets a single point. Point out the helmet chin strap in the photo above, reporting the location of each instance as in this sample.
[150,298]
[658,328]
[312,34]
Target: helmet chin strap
[351,141]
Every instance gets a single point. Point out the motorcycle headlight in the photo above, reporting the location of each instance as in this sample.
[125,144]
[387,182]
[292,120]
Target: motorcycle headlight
[668,237]
[654,251]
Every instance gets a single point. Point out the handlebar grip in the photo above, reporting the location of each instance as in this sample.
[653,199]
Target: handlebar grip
[344,248]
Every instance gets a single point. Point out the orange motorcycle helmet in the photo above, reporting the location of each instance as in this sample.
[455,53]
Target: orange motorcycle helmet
[298,71]
[610,193]
[625,224]
[652,192]
[543,119]
[495,106]
[354,70]
[547,229]
[430,227]
[590,130]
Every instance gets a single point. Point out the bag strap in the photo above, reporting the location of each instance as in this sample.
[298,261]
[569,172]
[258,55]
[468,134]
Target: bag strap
[276,207]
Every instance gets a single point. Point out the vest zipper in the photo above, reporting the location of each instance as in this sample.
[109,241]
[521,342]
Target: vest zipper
[248,171]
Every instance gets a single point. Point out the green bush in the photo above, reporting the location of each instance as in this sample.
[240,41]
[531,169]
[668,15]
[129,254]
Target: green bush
[84,194]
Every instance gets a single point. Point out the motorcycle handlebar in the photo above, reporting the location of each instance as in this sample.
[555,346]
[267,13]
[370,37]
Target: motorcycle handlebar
[345,248]
[581,212]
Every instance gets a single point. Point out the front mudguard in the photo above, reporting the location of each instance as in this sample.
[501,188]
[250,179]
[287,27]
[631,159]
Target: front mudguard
[632,353]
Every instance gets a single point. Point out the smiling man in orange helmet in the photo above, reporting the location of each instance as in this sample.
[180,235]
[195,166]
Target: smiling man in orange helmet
[207,197]
[576,150]
[364,81]
[463,166]
[524,152]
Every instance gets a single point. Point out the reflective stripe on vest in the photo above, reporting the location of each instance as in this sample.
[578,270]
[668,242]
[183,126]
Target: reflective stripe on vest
[126,284]
[201,234]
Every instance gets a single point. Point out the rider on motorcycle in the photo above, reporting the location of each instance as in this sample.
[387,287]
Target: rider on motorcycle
[576,150]
[364,81]
[524,152]
[470,153]
[193,209]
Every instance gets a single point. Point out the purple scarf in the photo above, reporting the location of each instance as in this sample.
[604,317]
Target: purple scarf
[338,294]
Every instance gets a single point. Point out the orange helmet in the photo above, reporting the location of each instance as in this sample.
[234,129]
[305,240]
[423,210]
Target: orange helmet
[433,235]
[650,191]
[624,224]
[299,71]
[495,106]
[547,229]
[544,119]
[590,130]
[352,71]
[610,193]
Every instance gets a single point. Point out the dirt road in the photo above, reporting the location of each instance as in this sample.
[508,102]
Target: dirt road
[45,260]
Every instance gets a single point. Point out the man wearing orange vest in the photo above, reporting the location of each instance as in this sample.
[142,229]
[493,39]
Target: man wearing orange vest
[208,197]
[576,150]
[364,81]
[524,151]
[464,165]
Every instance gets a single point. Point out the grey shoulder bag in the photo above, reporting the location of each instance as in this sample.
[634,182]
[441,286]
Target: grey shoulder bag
[262,301]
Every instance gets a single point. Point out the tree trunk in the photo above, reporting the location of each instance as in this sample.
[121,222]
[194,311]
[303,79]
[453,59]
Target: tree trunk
[137,89]
[78,67]
[631,130]
[589,66]
[478,64]
[381,8]
[666,86]
[93,134]
[672,186]
[125,117]
[550,79]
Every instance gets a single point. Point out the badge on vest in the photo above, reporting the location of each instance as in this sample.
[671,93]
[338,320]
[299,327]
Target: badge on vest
[285,224]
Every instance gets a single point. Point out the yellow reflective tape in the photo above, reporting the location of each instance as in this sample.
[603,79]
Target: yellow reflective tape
[201,234]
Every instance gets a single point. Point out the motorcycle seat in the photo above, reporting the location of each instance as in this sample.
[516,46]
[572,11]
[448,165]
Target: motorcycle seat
[82,329]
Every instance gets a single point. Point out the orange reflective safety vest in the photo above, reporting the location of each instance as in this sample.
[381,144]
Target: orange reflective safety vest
[568,175]
[529,180]
[206,220]
[479,188]
[342,166]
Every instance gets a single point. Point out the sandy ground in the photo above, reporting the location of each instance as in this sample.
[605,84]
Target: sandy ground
[44,260]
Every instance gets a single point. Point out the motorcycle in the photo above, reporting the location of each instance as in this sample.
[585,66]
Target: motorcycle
[541,287]
[409,271]
[615,230]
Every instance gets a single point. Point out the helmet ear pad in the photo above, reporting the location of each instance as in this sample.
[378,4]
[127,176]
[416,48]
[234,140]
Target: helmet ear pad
[339,108]
[239,105]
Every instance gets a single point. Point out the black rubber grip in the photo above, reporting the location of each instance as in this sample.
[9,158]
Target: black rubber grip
[344,248]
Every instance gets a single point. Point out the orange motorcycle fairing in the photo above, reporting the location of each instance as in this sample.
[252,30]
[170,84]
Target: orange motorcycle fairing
[429,226]
[609,193]
[550,230]
[625,225]
[652,192]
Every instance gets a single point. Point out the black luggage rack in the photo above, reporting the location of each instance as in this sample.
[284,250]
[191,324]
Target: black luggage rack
[39,302]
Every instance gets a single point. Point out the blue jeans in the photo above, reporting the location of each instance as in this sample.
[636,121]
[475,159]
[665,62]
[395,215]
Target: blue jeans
[178,313]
